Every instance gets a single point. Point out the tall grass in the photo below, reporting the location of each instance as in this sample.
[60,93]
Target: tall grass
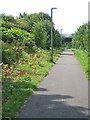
[82,56]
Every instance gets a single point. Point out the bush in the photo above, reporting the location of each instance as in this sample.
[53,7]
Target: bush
[9,56]
[80,39]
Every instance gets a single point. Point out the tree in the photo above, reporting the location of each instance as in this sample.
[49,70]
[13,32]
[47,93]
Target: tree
[56,38]
[80,39]
[40,35]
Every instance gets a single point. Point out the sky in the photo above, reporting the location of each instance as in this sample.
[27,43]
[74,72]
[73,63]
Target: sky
[69,15]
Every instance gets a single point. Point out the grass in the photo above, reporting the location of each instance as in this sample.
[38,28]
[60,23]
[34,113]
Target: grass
[20,81]
[82,56]
[16,92]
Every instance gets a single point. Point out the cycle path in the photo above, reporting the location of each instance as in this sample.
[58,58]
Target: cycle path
[62,94]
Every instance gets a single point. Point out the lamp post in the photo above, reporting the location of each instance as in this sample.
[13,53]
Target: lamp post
[52,34]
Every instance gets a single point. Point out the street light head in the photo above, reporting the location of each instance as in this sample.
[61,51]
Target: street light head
[53,8]
[61,29]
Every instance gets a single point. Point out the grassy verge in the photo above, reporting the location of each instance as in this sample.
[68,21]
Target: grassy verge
[22,78]
[82,56]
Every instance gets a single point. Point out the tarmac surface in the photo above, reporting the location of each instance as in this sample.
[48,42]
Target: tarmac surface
[62,94]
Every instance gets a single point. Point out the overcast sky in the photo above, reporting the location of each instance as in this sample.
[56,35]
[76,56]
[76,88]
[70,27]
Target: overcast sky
[69,15]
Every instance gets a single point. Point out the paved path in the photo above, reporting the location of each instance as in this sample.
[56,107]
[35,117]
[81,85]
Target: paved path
[62,94]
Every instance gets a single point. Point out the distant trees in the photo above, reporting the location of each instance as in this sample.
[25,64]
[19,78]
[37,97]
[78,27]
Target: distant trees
[80,39]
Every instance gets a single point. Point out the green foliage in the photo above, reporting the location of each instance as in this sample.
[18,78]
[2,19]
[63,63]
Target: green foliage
[13,35]
[89,49]
[9,56]
[81,42]
[56,38]
[6,24]
[80,39]
[36,25]
[25,63]
[82,56]
[8,18]
[23,24]
[27,75]
[39,24]
[40,35]
[32,19]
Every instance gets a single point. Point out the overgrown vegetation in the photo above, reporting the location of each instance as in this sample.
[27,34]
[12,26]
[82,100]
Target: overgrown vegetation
[82,56]
[80,39]
[20,81]
[25,57]
[80,44]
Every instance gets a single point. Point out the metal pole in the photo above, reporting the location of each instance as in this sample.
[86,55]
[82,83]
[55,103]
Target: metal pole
[52,34]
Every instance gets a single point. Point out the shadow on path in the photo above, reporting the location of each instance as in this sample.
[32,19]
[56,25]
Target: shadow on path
[51,106]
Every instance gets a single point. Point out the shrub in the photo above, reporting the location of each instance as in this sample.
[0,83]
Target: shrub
[9,56]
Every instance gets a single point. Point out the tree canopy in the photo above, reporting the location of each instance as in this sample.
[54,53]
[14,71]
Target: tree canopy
[26,32]
[80,39]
